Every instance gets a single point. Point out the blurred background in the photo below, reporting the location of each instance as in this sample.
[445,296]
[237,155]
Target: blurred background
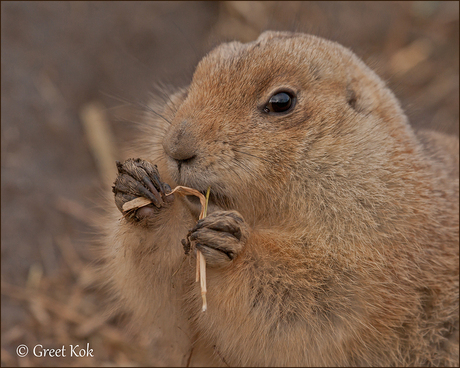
[72,74]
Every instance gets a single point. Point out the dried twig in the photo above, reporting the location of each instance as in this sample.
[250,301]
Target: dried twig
[63,311]
[70,255]
[100,139]
[142,201]
[136,203]
[76,210]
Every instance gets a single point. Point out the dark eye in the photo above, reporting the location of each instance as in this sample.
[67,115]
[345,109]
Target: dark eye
[279,102]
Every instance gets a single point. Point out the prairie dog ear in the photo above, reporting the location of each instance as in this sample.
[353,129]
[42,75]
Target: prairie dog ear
[178,96]
[269,35]
[229,49]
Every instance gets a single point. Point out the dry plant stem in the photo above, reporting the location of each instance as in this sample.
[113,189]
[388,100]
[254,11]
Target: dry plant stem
[197,275]
[200,256]
[142,201]
[200,260]
[100,139]
[136,203]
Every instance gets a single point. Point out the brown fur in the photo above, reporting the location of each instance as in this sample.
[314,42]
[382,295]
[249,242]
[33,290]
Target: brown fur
[352,252]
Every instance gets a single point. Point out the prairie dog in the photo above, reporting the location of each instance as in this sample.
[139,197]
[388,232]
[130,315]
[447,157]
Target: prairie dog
[332,234]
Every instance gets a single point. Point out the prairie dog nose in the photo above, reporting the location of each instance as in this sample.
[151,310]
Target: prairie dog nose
[180,144]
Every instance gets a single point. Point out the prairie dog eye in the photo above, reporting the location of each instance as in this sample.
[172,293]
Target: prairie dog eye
[280,102]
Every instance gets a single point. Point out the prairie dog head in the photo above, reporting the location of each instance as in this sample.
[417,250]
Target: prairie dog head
[268,121]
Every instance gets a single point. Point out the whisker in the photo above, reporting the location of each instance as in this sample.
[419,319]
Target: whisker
[173,105]
[230,167]
[153,127]
[118,98]
[166,98]
[240,164]
[118,106]
[141,126]
[150,109]
[136,103]
[250,154]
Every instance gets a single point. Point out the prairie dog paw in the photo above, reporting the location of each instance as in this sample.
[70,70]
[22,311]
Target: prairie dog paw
[139,178]
[220,237]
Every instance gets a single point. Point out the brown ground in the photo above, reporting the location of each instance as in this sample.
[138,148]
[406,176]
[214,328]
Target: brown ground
[57,57]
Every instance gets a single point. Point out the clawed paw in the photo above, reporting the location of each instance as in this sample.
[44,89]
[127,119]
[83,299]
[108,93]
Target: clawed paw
[220,237]
[139,178]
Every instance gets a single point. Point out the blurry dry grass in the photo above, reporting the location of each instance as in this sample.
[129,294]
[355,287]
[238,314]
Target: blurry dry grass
[69,308]
[65,310]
